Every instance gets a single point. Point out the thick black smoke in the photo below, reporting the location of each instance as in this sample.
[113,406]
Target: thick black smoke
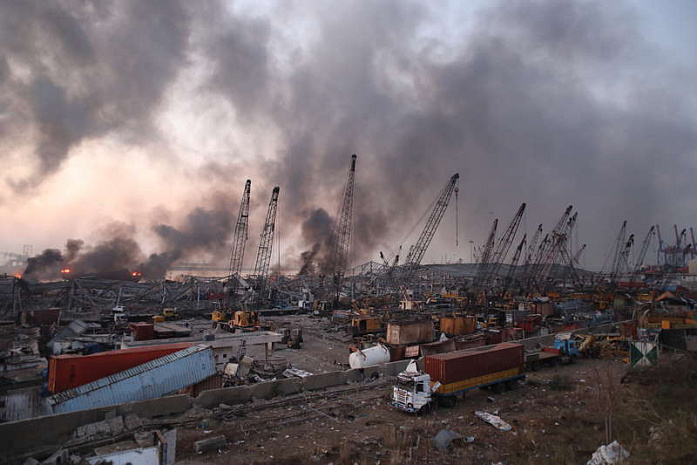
[317,231]
[45,265]
[542,101]
[201,231]
[548,102]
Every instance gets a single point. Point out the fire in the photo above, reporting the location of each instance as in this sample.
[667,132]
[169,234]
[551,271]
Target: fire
[18,275]
[65,270]
[136,275]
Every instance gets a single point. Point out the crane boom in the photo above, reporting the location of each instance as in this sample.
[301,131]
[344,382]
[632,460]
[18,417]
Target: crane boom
[241,234]
[577,255]
[485,260]
[642,253]
[557,248]
[342,232]
[514,264]
[503,245]
[548,250]
[417,251]
[261,265]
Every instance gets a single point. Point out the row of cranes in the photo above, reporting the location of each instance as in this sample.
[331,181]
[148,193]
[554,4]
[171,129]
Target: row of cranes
[669,257]
[539,257]
[254,293]
[255,287]
[536,265]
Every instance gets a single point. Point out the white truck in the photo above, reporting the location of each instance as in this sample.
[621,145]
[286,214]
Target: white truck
[451,374]
[413,390]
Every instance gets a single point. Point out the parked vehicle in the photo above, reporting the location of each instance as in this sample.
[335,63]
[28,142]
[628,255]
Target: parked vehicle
[447,375]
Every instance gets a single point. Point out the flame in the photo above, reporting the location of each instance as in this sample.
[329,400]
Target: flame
[18,275]
[65,270]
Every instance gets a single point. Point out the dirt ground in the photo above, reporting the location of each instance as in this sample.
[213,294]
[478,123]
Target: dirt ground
[558,415]
[359,426]
[323,350]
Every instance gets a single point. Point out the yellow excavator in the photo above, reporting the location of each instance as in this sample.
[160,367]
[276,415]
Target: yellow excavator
[236,319]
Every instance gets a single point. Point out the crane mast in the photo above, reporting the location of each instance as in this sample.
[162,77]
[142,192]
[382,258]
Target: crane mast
[503,245]
[621,264]
[417,251]
[548,249]
[514,264]
[261,265]
[486,254]
[558,248]
[619,244]
[241,234]
[342,232]
[642,253]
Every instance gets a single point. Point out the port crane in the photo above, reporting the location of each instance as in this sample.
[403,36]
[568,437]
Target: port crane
[417,251]
[512,267]
[261,265]
[341,237]
[642,253]
[239,241]
[485,260]
[549,248]
[502,246]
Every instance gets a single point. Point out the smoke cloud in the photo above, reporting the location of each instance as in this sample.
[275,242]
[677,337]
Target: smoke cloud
[552,103]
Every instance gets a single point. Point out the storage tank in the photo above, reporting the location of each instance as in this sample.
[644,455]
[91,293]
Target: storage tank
[369,357]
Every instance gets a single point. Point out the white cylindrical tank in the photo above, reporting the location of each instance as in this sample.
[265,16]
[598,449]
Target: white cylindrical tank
[368,357]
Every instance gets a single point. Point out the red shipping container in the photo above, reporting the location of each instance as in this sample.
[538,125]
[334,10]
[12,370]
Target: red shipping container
[461,365]
[142,331]
[69,371]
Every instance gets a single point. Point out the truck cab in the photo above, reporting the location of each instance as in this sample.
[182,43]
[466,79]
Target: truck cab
[566,343]
[412,393]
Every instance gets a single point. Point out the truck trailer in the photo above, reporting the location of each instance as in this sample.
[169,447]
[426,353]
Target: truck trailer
[445,376]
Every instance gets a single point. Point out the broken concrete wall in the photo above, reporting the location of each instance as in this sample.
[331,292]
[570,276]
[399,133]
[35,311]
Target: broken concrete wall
[19,436]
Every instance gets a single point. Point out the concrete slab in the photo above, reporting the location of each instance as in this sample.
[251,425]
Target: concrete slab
[325,380]
[286,387]
[354,376]
[210,444]
[232,395]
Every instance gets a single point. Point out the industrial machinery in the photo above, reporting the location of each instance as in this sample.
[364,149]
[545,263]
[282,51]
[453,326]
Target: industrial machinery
[263,260]
[341,237]
[239,240]
[245,319]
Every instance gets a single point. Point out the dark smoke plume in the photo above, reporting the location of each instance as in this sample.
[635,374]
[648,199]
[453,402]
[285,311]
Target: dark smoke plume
[45,265]
[548,102]
[317,230]
[202,231]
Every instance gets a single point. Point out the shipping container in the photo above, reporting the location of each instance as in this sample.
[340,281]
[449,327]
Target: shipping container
[460,365]
[142,331]
[69,371]
[458,325]
[46,317]
[410,333]
[151,380]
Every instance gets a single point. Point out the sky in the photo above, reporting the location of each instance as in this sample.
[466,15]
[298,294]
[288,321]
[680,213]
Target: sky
[141,121]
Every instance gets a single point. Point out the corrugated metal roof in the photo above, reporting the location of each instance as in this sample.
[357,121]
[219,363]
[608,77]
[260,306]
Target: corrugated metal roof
[147,381]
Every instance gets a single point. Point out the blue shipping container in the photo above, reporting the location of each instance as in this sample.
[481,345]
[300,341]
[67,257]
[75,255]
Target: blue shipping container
[150,380]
